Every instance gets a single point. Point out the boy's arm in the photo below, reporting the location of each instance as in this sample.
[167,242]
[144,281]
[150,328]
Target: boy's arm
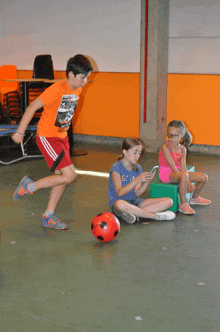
[28,115]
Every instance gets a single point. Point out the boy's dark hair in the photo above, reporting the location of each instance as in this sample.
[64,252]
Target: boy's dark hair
[187,137]
[79,64]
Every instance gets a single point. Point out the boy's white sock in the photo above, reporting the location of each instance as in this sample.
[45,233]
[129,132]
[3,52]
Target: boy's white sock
[47,213]
[31,187]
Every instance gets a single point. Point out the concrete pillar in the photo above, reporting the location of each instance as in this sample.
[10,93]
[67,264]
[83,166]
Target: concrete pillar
[153,132]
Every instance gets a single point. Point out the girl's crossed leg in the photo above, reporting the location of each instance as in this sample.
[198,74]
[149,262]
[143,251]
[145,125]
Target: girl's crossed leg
[148,208]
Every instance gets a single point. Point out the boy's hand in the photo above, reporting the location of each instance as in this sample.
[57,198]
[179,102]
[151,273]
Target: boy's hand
[17,138]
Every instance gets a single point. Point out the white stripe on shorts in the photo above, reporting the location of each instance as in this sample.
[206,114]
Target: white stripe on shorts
[48,148]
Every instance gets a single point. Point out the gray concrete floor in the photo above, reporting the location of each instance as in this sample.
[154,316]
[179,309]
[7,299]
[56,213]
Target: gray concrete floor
[154,277]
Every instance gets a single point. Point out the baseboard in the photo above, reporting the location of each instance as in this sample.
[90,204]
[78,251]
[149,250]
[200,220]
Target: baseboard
[205,149]
[101,140]
[117,142]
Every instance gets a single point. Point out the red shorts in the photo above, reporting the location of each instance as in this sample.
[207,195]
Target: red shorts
[55,151]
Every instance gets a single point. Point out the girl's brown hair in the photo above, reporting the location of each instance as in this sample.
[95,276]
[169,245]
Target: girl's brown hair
[127,144]
[187,137]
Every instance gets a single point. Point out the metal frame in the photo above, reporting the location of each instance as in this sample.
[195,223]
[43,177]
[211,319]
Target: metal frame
[8,130]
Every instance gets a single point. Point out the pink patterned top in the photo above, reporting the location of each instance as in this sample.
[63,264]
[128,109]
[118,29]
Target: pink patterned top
[164,169]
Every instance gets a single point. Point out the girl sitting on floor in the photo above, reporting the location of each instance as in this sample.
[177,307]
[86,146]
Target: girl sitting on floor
[127,182]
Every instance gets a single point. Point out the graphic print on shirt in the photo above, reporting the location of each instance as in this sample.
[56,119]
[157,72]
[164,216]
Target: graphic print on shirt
[126,179]
[65,111]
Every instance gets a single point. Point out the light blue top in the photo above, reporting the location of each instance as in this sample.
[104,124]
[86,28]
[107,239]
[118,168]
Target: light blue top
[126,178]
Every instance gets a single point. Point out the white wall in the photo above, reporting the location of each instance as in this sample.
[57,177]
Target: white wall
[194,36]
[107,31]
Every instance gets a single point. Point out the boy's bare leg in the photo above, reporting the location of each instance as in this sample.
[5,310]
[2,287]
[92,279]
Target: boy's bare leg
[58,183]
[55,195]
[62,177]
[66,175]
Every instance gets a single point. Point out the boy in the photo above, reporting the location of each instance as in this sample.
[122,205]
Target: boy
[59,102]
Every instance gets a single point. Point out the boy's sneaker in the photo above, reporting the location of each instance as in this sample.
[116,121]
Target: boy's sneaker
[22,188]
[129,218]
[166,215]
[199,201]
[53,222]
[186,209]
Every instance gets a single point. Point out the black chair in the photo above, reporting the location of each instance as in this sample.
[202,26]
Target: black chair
[42,68]
[11,108]
[3,113]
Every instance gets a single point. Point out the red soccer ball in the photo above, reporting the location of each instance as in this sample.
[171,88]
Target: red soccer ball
[105,227]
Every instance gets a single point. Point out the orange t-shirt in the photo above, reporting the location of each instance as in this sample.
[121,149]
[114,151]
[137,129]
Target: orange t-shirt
[60,103]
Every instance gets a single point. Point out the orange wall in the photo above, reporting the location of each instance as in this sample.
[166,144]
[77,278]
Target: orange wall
[109,106]
[195,100]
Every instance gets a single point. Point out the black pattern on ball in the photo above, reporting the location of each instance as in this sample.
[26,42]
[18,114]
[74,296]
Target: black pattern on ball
[105,226]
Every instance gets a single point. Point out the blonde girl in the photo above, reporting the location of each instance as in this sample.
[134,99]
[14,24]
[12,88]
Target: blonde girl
[172,167]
